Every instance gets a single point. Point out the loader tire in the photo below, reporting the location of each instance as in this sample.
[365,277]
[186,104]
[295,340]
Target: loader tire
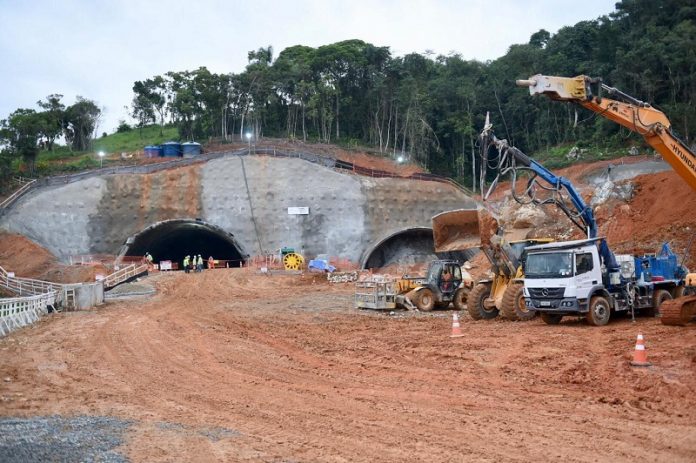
[659,296]
[513,306]
[425,300]
[551,318]
[460,298]
[599,312]
[475,306]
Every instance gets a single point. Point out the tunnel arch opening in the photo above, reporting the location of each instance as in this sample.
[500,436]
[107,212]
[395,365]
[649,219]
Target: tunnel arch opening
[175,239]
[412,246]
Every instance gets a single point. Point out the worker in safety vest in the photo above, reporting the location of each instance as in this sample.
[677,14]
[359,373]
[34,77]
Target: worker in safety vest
[199,262]
[187,261]
[149,259]
[211,262]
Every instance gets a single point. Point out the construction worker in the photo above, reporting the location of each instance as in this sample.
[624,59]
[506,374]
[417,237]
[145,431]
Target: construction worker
[148,258]
[446,280]
[200,263]
[211,262]
[187,261]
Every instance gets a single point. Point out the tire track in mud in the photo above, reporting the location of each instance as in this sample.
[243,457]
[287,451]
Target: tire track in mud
[279,361]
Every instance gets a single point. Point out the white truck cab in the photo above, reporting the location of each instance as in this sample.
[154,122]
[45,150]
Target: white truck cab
[560,278]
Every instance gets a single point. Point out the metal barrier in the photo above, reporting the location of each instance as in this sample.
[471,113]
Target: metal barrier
[21,311]
[124,274]
[23,286]
[16,195]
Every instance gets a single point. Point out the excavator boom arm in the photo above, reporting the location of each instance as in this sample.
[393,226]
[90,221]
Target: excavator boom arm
[623,109]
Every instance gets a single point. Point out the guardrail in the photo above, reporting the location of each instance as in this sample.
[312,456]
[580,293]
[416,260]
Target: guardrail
[124,274]
[21,311]
[23,286]
[16,195]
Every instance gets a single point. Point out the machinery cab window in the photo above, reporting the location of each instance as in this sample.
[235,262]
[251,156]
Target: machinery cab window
[583,263]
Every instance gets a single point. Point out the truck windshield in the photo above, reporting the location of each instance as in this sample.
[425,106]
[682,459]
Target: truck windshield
[549,265]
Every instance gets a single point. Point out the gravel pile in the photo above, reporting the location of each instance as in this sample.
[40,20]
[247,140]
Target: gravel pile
[58,439]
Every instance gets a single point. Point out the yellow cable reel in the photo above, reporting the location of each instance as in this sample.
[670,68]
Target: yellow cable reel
[293,261]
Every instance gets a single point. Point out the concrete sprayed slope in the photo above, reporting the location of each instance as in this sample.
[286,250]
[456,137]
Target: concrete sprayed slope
[247,197]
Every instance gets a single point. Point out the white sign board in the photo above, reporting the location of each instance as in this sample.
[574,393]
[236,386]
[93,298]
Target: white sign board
[298,210]
[165,265]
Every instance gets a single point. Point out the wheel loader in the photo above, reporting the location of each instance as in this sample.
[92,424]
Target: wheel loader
[444,283]
[464,229]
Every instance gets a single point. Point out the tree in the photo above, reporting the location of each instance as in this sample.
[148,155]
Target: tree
[51,119]
[150,98]
[20,133]
[80,123]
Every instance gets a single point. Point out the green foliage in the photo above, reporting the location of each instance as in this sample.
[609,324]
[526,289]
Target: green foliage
[79,122]
[429,107]
[134,140]
[123,127]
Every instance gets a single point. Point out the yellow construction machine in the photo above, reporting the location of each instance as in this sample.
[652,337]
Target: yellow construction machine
[444,283]
[655,128]
[465,229]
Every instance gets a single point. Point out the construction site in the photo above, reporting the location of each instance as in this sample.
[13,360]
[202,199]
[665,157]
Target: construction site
[350,308]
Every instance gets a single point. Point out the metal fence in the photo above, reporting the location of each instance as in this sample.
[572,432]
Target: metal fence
[17,312]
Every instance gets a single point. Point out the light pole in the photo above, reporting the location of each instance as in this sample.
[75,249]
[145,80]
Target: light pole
[248,135]
[101,159]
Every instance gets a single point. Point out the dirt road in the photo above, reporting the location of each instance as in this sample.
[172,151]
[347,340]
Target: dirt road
[231,366]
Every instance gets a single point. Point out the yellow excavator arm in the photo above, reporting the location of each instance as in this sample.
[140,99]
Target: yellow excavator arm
[623,109]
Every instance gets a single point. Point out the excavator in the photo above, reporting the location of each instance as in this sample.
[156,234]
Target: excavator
[654,126]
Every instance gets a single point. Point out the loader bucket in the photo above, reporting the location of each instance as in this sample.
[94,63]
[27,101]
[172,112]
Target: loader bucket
[463,229]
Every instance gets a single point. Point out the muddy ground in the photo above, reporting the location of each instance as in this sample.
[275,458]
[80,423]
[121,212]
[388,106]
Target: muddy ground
[228,365]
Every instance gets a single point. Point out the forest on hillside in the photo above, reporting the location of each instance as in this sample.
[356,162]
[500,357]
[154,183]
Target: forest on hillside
[431,108]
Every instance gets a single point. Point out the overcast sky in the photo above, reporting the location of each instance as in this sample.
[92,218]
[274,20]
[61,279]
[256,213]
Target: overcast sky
[98,48]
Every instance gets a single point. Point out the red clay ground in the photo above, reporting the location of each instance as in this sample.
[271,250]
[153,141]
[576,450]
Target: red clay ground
[27,259]
[302,376]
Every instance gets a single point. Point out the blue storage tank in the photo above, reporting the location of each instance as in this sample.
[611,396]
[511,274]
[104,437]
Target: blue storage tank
[171,149]
[191,149]
[153,151]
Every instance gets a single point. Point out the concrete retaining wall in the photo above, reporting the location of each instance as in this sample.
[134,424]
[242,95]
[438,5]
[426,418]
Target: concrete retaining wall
[245,196]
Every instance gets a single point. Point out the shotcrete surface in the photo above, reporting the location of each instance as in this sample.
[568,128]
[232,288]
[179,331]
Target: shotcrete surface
[245,196]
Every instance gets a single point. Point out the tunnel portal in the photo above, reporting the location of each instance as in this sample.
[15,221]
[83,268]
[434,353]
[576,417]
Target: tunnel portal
[410,247]
[174,239]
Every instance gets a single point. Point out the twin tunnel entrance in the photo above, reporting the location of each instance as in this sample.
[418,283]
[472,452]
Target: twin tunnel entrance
[174,239]
[409,247]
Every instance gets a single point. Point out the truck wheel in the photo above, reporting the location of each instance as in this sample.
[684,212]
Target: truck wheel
[460,298]
[513,307]
[659,296]
[551,318]
[425,300]
[475,306]
[599,311]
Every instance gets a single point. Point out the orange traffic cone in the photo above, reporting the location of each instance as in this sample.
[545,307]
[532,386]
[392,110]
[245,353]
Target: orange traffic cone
[456,330]
[640,356]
